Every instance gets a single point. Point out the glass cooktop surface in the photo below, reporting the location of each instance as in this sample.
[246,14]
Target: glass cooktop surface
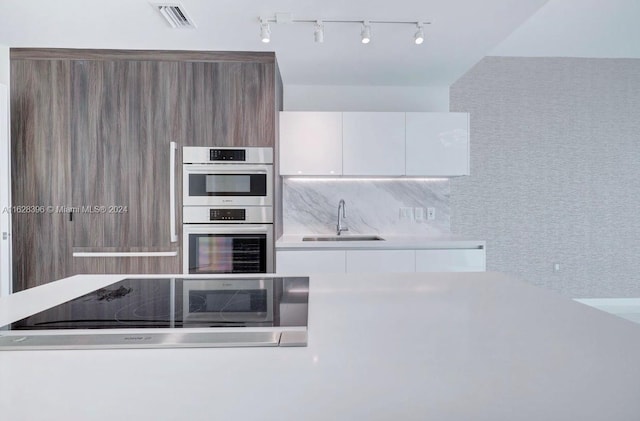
[181,303]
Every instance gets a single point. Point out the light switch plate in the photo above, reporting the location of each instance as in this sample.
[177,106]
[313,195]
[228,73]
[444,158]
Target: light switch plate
[406,213]
[419,214]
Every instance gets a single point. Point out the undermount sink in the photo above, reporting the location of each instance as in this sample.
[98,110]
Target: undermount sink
[344,238]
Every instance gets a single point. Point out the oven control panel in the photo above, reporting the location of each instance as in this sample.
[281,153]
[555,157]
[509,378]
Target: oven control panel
[227,214]
[227,155]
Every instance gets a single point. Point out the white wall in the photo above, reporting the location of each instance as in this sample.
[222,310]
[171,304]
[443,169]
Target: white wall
[5,245]
[365,98]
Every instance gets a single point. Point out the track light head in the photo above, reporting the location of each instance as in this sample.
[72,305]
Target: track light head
[265,31]
[419,35]
[318,31]
[365,34]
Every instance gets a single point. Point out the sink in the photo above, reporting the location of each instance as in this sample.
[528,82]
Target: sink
[344,238]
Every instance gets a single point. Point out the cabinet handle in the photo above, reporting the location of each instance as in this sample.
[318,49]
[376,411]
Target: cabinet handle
[172,192]
[125,254]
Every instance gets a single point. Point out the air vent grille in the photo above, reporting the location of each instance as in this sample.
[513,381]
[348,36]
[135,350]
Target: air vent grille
[175,15]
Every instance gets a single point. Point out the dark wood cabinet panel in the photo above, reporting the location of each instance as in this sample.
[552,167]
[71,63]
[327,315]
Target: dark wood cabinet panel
[229,104]
[121,134]
[126,265]
[147,55]
[91,133]
[40,171]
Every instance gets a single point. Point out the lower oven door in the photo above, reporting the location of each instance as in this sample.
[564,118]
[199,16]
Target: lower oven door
[228,248]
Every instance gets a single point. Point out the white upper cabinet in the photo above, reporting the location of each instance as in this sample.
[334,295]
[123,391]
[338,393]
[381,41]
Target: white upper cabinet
[310,143]
[437,144]
[373,143]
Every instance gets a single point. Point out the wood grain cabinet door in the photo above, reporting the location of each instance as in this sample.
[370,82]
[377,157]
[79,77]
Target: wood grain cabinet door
[40,171]
[229,103]
[123,119]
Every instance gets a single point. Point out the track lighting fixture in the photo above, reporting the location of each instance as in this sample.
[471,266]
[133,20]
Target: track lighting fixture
[265,31]
[318,31]
[365,34]
[318,27]
[419,36]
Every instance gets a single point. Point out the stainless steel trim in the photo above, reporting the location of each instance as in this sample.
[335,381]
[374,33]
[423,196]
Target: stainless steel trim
[138,338]
[253,214]
[172,303]
[226,229]
[125,254]
[172,192]
[200,155]
[293,338]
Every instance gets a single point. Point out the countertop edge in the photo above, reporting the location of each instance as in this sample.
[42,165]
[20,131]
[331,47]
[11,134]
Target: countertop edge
[390,243]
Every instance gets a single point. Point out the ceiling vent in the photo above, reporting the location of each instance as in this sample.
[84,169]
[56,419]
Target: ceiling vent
[175,15]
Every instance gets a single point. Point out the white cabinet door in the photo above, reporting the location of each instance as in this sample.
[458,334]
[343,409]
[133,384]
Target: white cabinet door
[373,143]
[437,144]
[452,260]
[380,261]
[310,261]
[310,143]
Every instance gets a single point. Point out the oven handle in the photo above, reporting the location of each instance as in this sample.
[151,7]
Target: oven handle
[225,169]
[227,229]
[172,192]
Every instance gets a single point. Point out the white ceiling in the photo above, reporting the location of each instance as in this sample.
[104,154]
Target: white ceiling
[461,33]
[578,28]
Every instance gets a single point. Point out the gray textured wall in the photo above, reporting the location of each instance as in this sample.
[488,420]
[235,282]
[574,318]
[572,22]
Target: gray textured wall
[555,171]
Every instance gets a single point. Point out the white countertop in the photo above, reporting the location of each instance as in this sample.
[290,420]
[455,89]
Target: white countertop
[454,346]
[390,242]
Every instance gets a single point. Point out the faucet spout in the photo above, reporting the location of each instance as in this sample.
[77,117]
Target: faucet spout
[341,227]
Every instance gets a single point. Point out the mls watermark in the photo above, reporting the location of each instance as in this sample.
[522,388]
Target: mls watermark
[91,209]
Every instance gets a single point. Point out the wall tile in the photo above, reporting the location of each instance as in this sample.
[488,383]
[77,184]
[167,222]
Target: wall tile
[372,206]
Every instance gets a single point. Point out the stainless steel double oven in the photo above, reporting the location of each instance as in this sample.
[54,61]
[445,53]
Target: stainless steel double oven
[227,210]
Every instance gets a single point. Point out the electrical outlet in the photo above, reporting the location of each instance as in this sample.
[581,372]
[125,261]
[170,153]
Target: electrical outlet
[431,214]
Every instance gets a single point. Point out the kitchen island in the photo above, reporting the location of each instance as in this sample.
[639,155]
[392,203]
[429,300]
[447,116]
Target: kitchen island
[416,346]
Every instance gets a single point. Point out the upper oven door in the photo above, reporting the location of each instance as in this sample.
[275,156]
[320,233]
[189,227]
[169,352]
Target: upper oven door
[227,185]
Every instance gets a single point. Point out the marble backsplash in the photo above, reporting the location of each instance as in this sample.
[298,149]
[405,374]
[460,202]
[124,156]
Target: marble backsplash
[310,206]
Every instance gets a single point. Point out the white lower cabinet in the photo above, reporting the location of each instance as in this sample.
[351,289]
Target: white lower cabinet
[454,260]
[380,261]
[300,262]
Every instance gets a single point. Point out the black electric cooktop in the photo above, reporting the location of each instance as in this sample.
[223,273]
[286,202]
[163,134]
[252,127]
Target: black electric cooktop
[181,303]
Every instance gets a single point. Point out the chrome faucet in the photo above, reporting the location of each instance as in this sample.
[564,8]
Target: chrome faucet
[340,227]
